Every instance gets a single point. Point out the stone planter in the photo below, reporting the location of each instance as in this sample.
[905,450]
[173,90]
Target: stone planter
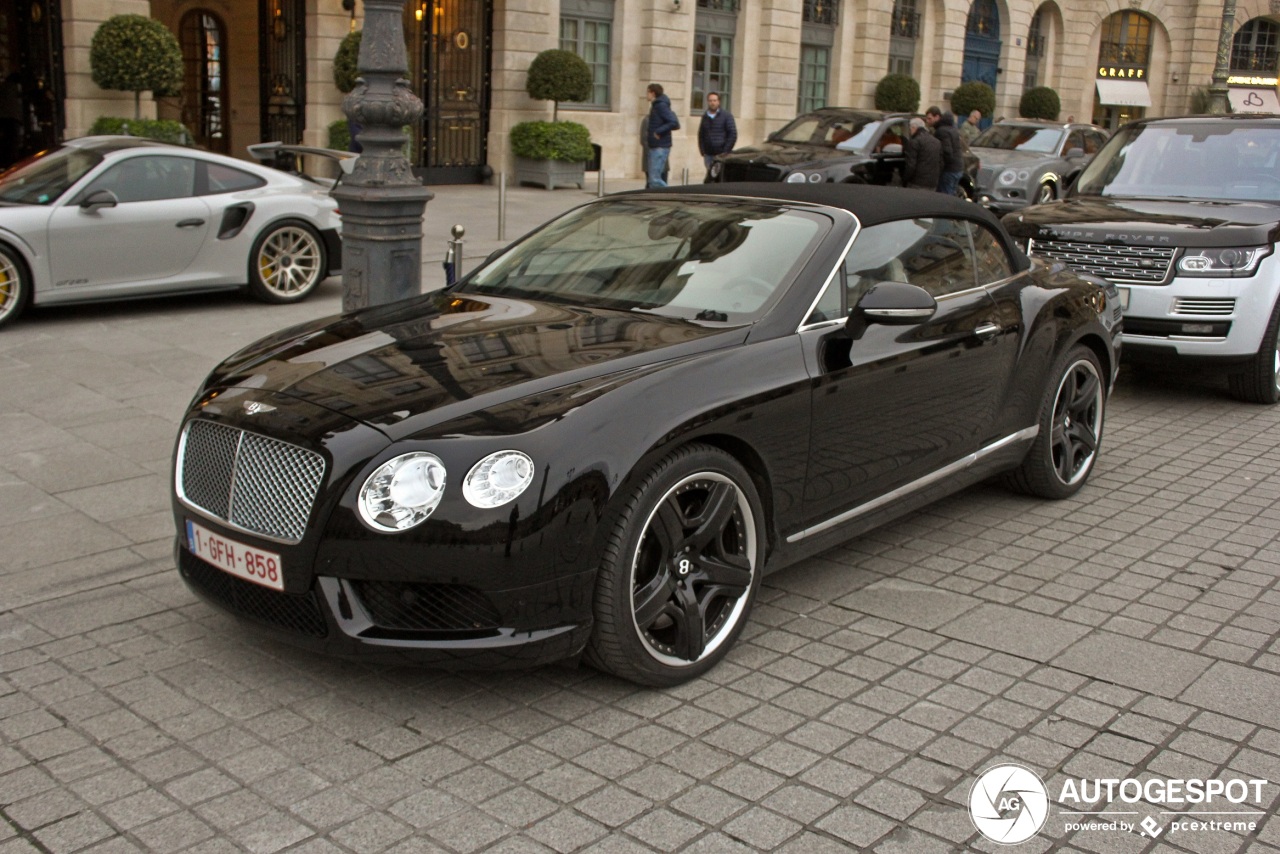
[549,173]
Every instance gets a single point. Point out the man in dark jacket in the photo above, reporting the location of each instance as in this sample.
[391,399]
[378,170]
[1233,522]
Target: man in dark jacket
[923,158]
[717,134]
[662,121]
[944,128]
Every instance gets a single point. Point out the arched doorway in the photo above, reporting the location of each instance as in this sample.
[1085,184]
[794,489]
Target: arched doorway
[982,43]
[282,79]
[1124,58]
[1255,67]
[204,89]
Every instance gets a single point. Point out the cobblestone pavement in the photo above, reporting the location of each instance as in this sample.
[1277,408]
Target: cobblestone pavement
[1129,632]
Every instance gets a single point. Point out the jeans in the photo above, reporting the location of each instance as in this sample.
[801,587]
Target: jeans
[657,165]
[948,182]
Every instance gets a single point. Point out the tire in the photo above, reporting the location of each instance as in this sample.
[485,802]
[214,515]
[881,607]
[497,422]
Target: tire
[287,263]
[1260,381]
[15,285]
[1070,422]
[680,570]
[1045,194]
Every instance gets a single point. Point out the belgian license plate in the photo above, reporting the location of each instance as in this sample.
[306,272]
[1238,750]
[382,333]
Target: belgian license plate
[243,561]
[1124,298]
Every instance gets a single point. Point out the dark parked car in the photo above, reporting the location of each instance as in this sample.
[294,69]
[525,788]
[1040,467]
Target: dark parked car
[1030,163]
[602,438]
[832,145]
[1183,214]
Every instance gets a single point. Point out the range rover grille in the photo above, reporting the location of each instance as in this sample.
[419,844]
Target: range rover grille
[1138,265]
[255,483]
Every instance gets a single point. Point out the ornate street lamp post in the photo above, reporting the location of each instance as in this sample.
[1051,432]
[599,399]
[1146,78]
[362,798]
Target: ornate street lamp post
[1218,101]
[382,201]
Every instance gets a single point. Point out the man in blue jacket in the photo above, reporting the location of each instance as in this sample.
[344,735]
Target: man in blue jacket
[717,134]
[662,121]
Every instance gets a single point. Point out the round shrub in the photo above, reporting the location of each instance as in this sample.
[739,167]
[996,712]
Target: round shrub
[558,75]
[133,53]
[974,95]
[569,142]
[339,135]
[1040,103]
[898,93]
[345,62]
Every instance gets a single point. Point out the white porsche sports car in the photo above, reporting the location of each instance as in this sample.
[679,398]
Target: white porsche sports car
[112,217]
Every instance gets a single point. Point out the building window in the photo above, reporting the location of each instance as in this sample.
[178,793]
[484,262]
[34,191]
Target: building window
[815,76]
[984,19]
[1037,47]
[1126,40]
[821,12]
[1255,50]
[590,39]
[204,91]
[712,68]
[904,31]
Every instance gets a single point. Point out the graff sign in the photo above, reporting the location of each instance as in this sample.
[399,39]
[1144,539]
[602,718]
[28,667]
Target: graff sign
[1114,71]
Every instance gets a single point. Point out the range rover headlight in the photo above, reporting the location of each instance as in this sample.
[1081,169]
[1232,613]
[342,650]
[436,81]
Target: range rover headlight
[795,178]
[497,479]
[402,492]
[1231,262]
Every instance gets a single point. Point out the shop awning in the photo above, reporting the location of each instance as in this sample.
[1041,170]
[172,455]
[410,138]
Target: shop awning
[1260,99]
[1124,93]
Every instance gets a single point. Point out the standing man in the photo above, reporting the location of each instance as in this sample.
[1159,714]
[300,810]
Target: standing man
[922,166]
[717,134]
[944,128]
[662,121]
[969,130]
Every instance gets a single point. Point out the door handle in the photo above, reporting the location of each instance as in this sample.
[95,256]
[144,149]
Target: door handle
[987,331]
[190,223]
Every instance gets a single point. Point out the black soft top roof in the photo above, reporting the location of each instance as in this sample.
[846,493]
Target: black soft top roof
[871,204]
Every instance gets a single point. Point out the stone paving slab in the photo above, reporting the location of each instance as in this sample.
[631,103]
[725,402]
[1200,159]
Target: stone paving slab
[1131,631]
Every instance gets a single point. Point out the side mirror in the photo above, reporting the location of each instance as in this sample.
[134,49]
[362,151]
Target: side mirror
[1074,153]
[98,199]
[894,303]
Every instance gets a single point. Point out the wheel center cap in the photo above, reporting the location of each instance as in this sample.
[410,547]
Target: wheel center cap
[684,566]
[286,261]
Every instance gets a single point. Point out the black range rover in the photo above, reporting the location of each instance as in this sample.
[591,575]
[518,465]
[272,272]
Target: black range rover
[1183,214]
[831,145]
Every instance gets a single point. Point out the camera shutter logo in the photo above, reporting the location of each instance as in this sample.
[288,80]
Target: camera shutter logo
[1008,804]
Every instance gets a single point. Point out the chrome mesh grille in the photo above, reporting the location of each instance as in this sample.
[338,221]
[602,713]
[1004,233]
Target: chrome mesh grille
[261,485]
[1143,265]
[1218,306]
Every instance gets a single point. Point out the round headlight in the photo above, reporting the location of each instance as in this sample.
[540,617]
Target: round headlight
[1008,176]
[497,479]
[402,492]
[815,177]
[795,178]
[1024,175]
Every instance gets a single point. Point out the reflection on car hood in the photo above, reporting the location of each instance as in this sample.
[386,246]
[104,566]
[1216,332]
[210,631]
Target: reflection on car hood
[996,158]
[402,366]
[788,154]
[1172,222]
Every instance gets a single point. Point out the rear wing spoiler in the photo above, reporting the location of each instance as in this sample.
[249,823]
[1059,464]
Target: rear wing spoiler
[285,157]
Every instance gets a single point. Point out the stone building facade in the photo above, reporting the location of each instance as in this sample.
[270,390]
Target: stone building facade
[262,69]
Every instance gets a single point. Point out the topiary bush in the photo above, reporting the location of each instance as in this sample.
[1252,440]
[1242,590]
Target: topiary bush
[345,62]
[898,93]
[132,53]
[164,130]
[974,95]
[558,75]
[340,135]
[569,142]
[1040,103]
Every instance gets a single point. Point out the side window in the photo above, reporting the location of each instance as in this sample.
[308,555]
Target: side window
[227,179]
[941,261]
[1075,140]
[1093,141]
[990,259]
[148,179]
[894,134]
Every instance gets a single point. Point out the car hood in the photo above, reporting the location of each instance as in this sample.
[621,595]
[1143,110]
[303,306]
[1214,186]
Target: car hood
[1157,222]
[788,154]
[997,158]
[404,367]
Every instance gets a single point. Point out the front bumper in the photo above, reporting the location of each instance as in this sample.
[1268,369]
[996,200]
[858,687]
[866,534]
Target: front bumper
[451,628]
[1202,317]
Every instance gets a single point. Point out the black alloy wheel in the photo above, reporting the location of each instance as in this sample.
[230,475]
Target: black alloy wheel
[681,570]
[1259,382]
[1070,434]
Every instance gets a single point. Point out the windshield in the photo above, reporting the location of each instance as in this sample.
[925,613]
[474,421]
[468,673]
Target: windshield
[1200,160]
[716,261]
[1020,138]
[42,180]
[827,130]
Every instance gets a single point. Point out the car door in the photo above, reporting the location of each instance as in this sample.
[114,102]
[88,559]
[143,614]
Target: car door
[897,402]
[885,164]
[225,252]
[144,242]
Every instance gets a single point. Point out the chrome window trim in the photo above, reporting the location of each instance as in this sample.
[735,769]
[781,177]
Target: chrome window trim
[839,266]
[915,485]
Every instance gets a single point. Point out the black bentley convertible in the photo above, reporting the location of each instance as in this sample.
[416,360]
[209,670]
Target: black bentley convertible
[600,441]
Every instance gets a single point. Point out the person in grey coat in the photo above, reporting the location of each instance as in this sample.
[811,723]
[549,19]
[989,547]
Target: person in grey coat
[923,158]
